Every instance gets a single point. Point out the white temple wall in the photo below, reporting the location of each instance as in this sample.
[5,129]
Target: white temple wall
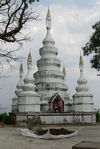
[83,99]
[69,119]
[14,104]
[83,108]
[21,120]
[52,67]
[15,108]
[29,100]
[29,103]
[83,104]
[14,101]
[45,79]
[29,108]
[67,107]
[48,49]
[48,55]
[50,93]
[49,72]
[56,86]
[48,61]
[56,118]
[44,107]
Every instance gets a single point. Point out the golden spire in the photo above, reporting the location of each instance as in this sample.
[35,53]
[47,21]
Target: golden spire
[64,71]
[81,61]
[21,68]
[29,60]
[48,18]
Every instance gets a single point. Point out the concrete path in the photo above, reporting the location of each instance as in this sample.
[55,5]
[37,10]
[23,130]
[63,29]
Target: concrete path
[10,138]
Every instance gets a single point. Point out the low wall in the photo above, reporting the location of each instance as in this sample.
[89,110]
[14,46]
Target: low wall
[56,118]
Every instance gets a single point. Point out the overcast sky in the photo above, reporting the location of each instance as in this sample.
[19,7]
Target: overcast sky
[72,22]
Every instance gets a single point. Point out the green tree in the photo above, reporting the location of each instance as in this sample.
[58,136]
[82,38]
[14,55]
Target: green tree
[97,116]
[5,118]
[93,47]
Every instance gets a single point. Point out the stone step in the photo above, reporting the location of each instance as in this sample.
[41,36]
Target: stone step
[87,145]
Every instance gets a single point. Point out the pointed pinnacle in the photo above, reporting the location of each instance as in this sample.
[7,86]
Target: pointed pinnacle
[48,18]
[64,71]
[21,68]
[81,61]
[29,60]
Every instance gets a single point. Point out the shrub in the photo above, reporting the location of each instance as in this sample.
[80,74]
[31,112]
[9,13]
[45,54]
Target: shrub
[97,116]
[5,118]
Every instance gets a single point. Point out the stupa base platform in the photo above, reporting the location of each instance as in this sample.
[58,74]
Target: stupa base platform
[21,119]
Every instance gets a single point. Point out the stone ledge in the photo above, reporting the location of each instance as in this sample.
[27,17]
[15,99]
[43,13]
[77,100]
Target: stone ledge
[54,114]
[87,145]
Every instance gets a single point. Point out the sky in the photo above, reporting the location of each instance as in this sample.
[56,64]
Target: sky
[72,22]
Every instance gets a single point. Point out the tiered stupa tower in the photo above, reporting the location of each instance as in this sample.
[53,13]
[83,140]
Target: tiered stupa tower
[15,100]
[82,100]
[50,80]
[29,100]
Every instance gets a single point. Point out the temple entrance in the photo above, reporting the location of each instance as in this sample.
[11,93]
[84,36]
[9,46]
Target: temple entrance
[57,103]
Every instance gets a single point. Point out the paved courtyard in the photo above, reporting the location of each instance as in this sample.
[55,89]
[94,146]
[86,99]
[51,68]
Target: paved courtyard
[11,139]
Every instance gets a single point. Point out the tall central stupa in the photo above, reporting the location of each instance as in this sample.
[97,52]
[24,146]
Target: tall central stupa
[49,79]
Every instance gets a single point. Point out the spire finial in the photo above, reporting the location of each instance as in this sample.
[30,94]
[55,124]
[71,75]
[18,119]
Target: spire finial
[48,19]
[81,64]
[29,60]
[64,71]
[21,68]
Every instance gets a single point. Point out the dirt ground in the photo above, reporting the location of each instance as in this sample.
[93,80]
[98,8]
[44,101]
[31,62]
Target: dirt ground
[11,139]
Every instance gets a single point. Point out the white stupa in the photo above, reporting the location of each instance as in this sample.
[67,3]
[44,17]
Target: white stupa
[50,80]
[82,100]
[15,100]
[29,100]
[45,93]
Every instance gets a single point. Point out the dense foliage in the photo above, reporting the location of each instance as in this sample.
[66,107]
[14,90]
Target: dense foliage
[93,47]
[5,118]
[97,116]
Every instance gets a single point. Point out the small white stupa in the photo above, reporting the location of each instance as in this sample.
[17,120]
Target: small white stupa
[29,100]
[15,100]
[82,100]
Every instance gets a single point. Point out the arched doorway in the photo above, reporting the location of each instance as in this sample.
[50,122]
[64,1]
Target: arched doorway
[57,103]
